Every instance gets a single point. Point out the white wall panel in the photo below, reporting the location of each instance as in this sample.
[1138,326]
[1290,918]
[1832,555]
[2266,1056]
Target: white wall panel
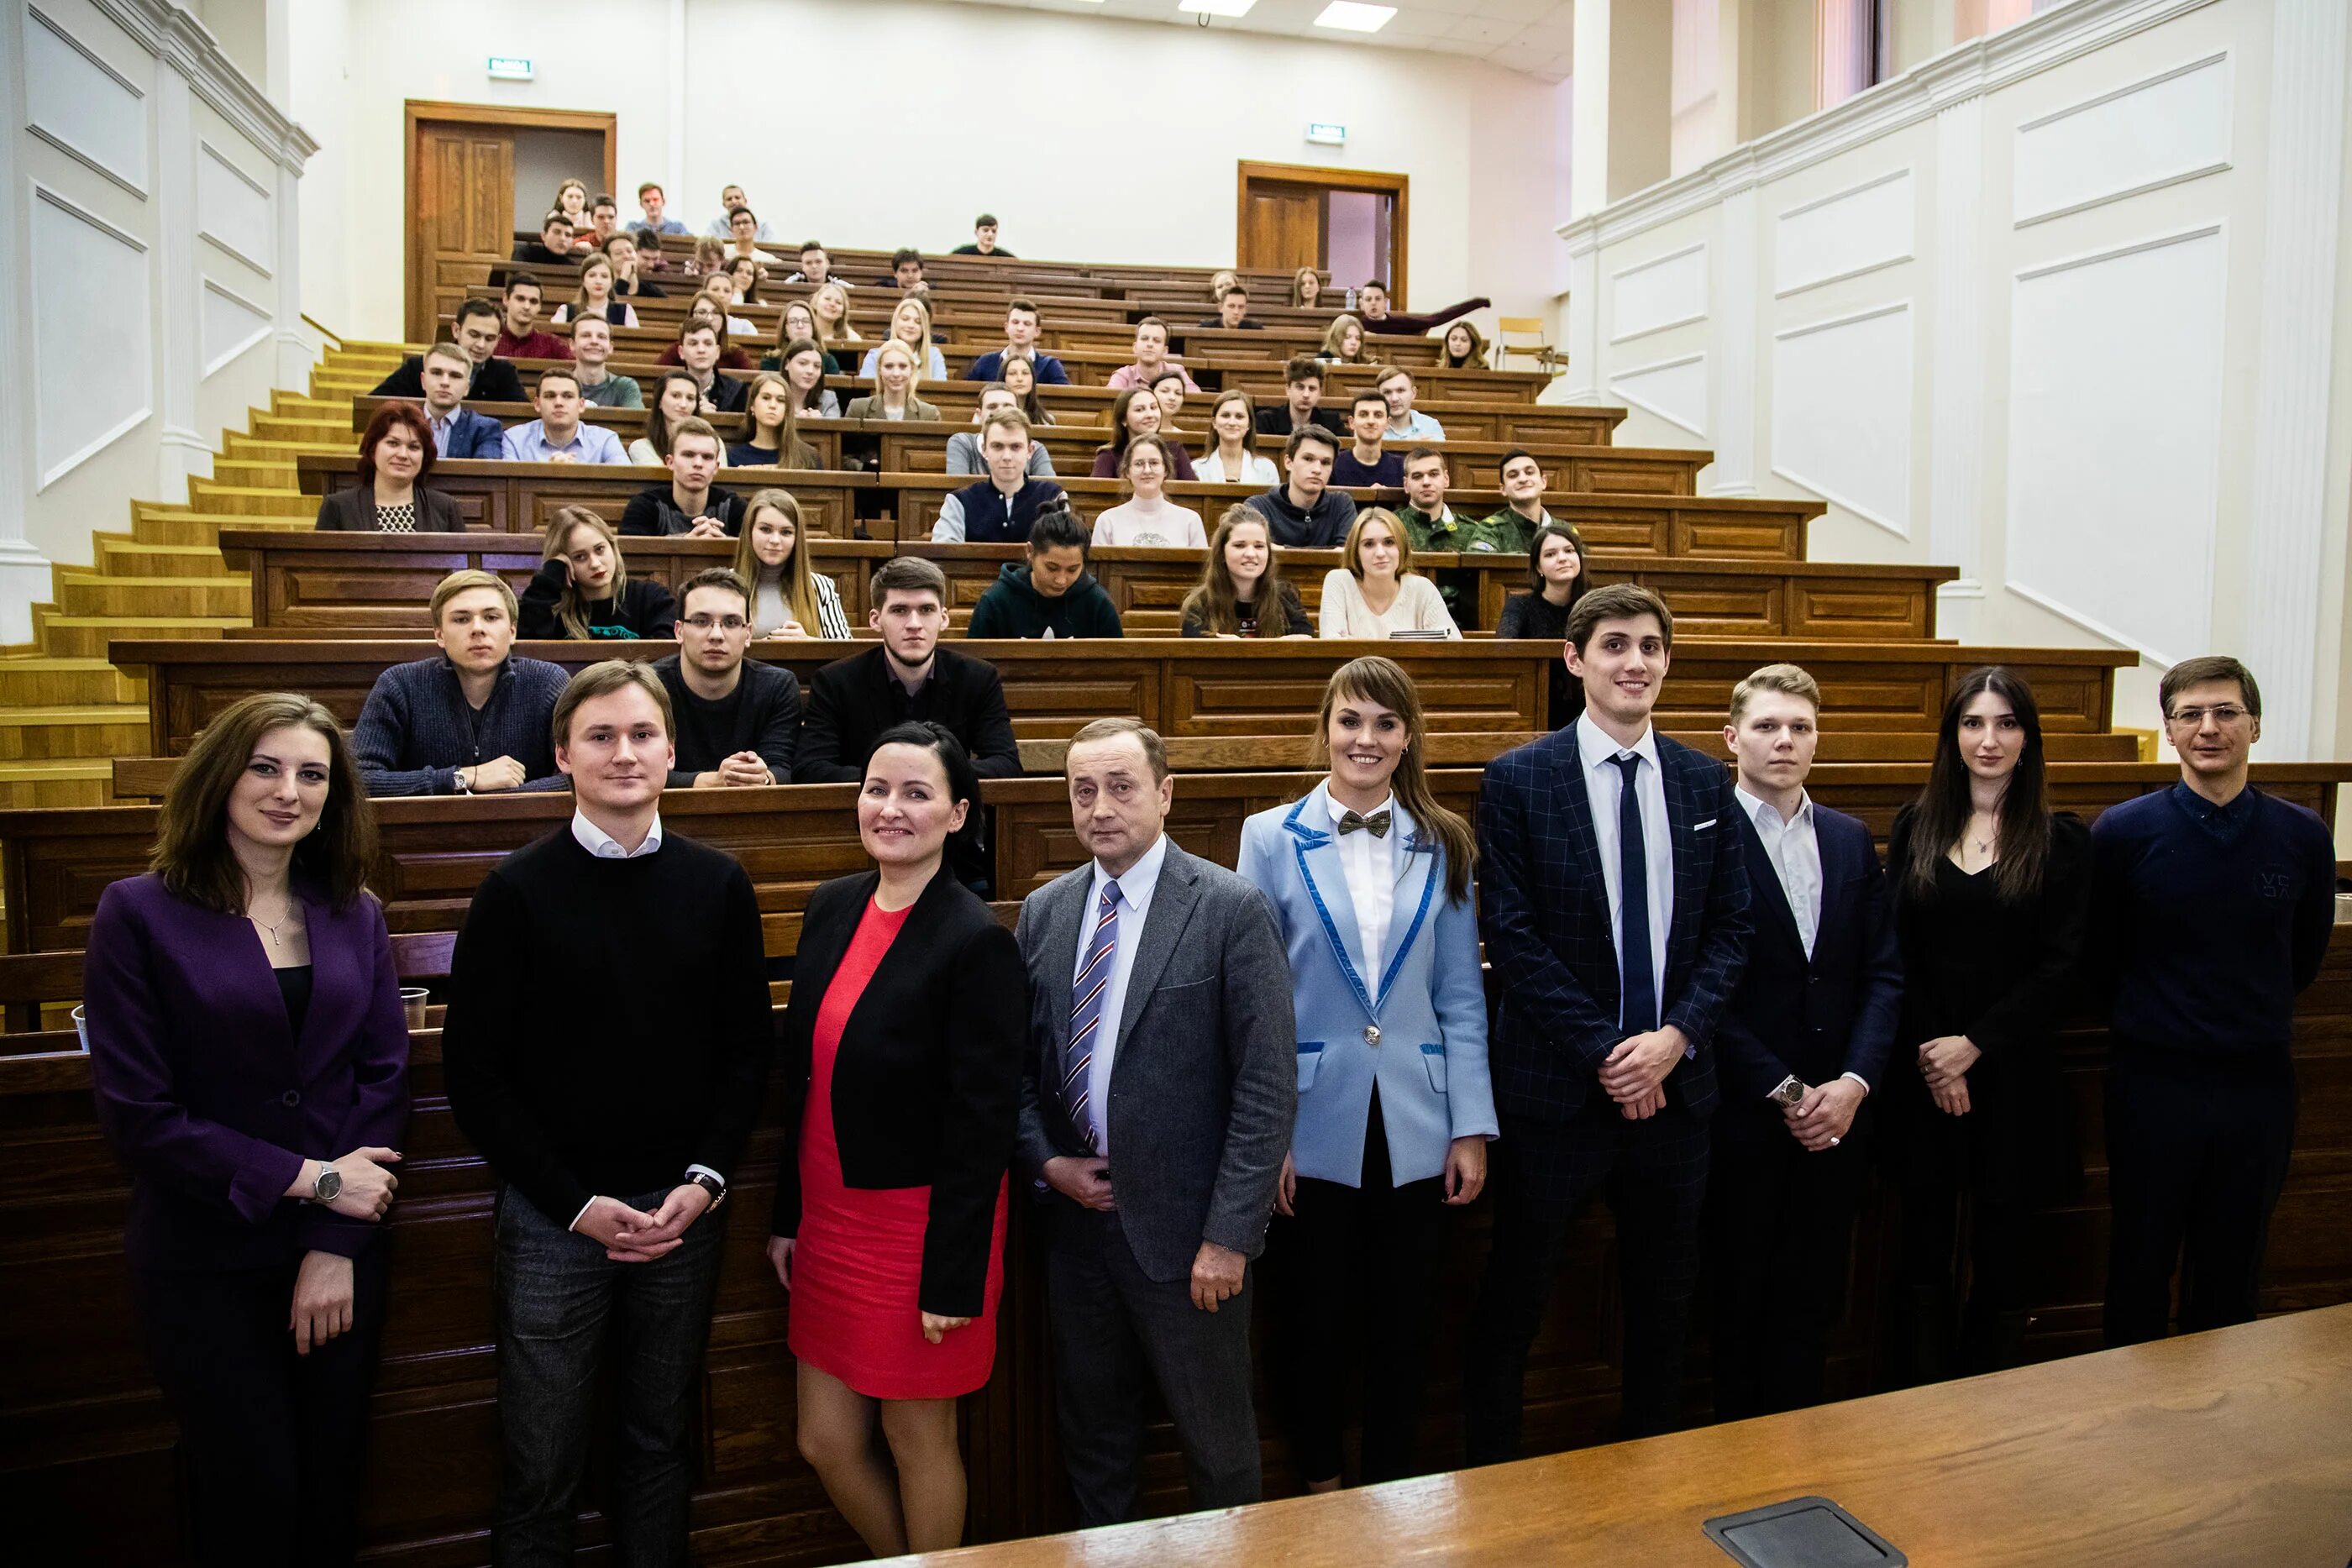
[93,374]
[231,325]
[1675,389]
[1666,291]
[83,106]
[1844,234]
[2115,430]
[232,209]
[1842,412]
[2151,133]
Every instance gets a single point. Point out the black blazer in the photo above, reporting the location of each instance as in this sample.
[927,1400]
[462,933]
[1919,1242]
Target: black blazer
[494,380]
[354,511]
[927,1079]
[1834,1012]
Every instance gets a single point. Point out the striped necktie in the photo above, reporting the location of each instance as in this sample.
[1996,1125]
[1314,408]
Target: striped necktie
[1087,994]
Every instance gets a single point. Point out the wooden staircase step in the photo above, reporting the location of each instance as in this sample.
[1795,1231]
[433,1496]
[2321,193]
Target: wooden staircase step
[247,500]
[86,636]
[57,783]
[258,471]
[206,597]
[82,730]
[122,557]
[36,678]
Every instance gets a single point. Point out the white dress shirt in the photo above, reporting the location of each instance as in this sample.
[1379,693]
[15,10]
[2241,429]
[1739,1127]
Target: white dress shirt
[1602,785]
[1369,866]
[1135,890]
[1795,852]
[589,443]
[604,846]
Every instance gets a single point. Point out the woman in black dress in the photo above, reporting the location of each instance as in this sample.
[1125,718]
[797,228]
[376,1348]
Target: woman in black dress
[1555,579]
[1992,898]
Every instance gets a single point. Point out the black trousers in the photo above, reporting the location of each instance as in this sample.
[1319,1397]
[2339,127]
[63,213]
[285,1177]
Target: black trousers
[1933,1339]
[1367,1257]
[1653,1176]
[1780,1235]
[273,1442]
[2197,1151]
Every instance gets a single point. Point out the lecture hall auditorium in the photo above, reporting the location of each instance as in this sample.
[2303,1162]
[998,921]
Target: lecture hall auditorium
[1891,338]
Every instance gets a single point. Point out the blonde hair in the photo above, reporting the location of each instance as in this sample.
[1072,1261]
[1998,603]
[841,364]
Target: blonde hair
[823,336]
[1332,334]
[458,582]
[571,604]
[923,314]
[897,345]
[793,581]
[1789,680]
[1351,550]
[603,679]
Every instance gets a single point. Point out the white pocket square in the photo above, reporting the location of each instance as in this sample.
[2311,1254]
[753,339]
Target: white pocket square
[1702,827]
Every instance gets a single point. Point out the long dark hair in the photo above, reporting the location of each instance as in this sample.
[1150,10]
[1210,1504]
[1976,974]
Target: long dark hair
[1214,600]
[964,779]
[1941,814]
[657,421]
[192,851]
[1374,679]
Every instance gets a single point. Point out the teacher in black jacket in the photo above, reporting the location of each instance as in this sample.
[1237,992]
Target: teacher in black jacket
[903,1043]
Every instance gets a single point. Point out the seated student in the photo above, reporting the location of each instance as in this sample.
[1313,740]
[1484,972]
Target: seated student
[1376,592]
[1365,461]
[396,455]
[1506,530]
[910,323]
[1021,381]
[797,322]
[743,227]
[1242,591]
[1428,521]
[629,280]
[774,441]
[710,256]
[747,273]
[1556,572]
[1224,278]
[707,309]
[1405,422]
[690,504]
[830,305]
[802,365]
[583,588]
[721,288]
[984,240]
[474,332]
[1021,325]
[654,204]
[738,720]
[457,431]
[597,300]
[470,720]
[1148,518]
[906,270]
[1233,312]
[1134,413]
[1372,304]
[1465,349]
[1343,342]
[603,222]
[731,200]
[964,455]
[1303,387]
[789,598]
[675,399]
[553,246]
[893,396]
[1051,595]
[1229,460]
[521,337]
[1150,359]
[1000,508]
[1168,392]
[558,434]
[1306,289]
[699,343]
[591,351]
[1303,511]
[817,267]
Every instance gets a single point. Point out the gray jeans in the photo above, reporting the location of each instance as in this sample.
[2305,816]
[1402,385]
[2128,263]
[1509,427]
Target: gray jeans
[558,1299]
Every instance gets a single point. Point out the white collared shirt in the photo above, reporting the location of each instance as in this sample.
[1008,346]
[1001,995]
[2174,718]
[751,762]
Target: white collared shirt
[604,846]
[1604,783]
[1369,865]
[1795,852]
[1135,891]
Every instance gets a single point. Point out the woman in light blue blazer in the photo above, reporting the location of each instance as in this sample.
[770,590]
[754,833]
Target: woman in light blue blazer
[1370,879]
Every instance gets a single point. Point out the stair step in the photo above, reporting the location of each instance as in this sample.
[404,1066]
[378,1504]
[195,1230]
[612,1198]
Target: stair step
[86,636]
[247,500]
[258,473]
[56,679]
[78,731]
[205,530]
[142,559]
[201,597]
[57,784]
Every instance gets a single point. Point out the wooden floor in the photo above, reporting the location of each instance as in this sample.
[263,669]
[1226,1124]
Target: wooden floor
[2230,1447]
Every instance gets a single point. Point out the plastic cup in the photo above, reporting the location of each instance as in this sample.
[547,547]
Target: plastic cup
[412,997]
[81,1028]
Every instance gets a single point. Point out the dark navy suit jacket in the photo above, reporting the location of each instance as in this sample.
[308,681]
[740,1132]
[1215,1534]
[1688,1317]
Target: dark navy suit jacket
[1543,909]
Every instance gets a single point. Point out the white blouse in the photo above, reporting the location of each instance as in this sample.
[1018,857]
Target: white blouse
[1161,523]
[1418,608]
[1255,470]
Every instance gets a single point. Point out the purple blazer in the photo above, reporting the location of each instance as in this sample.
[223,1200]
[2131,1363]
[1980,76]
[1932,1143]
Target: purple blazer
[206,1095]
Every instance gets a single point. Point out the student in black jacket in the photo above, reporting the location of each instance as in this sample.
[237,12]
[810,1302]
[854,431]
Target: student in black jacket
[1303,389]
[1052,595]
[690,504]
[583,588]
[739,722]
[476,331]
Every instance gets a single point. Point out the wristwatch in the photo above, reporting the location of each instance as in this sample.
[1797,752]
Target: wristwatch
[1789,1090]
[328,1187]
[710,1184]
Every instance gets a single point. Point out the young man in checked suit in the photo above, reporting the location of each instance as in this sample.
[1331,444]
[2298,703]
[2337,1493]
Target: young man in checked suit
[1613,900]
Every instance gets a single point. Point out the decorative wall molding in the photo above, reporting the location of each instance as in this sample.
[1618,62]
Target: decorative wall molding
[1675,389]
[232,209]
[1956,424]
[1658,293]
[81,105]
[1733,473]
[93,378]
[2160,130]
[1842,394]
[232,324]
[175,37]
[1845,234]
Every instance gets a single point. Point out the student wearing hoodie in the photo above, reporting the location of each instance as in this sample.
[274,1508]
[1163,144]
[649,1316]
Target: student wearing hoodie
[1052,595]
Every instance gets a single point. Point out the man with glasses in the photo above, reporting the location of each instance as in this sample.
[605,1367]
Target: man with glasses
[2216,902]
[737,723]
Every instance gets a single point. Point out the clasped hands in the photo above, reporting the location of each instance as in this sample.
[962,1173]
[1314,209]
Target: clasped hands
[743,769]
[1634,1074]
[324,1296]
[631,1235]
[1944,1062]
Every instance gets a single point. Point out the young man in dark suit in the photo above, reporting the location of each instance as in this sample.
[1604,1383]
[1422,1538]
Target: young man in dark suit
[1802,1043]
[475,329]
[1613,901]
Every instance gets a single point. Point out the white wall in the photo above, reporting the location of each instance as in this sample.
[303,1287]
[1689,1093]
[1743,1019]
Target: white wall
[2069,308]
[1120,144]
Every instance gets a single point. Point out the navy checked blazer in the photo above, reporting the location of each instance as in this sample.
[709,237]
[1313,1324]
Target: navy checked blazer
[1543,909]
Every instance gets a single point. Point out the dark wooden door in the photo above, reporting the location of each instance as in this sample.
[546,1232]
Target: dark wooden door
[464,215]
[1284,228]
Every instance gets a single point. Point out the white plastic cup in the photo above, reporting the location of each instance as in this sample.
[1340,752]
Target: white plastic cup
[411,998]
[81,1028]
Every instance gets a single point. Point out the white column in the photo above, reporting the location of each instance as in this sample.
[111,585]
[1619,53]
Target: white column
[2300,236]
[24,571]
[1581,319]
[295,355]
[1956,451]
[180,448]
[1734,292]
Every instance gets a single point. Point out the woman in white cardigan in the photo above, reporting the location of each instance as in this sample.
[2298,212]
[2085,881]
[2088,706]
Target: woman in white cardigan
[1377,593]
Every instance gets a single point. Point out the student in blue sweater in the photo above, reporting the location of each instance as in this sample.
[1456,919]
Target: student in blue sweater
[471,720]
[2215,905]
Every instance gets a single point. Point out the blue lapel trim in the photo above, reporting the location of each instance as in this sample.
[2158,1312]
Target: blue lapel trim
[1420,855]
[1304,839]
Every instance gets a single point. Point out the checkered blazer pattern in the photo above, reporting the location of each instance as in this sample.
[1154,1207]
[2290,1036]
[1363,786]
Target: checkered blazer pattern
[1543,909]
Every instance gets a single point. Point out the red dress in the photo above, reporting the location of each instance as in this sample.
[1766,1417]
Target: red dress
[858,1263]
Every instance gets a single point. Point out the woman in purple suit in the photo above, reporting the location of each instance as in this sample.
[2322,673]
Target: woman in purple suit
[251,1057]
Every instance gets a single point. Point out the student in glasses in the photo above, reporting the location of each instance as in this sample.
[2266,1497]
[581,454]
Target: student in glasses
[738,722]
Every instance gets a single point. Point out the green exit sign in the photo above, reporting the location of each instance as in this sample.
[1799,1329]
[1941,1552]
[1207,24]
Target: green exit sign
[509,67]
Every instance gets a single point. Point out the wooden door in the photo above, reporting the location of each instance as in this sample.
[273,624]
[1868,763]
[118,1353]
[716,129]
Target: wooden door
[1284,228]
[463,215]
[1284,219]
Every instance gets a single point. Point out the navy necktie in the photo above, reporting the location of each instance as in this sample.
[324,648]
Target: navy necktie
[1638,980]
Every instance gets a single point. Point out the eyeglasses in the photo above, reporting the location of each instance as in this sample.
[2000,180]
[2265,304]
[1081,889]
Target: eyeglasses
[724,623]
[2226,714]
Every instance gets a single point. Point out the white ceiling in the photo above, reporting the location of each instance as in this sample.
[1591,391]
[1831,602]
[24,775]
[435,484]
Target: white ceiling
[1537,37]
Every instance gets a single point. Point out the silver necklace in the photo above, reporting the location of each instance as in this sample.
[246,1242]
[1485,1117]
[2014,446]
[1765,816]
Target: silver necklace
[284,915]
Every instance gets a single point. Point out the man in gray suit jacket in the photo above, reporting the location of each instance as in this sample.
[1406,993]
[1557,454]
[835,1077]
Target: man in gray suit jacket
[1162,1042]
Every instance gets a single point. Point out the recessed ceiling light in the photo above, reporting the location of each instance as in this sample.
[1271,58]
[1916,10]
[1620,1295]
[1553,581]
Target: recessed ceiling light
[1217,7]
[1347,16]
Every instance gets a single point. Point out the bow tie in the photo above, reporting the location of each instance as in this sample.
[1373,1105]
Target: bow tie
[1377,824]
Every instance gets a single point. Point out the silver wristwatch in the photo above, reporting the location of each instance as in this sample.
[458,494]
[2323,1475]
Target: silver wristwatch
[328,1187]
[1789,1090]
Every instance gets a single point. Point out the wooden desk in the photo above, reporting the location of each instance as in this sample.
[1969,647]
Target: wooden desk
[2233,1447]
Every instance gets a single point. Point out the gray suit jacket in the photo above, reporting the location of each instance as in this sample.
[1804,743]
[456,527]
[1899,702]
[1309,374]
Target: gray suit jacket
[1205,1075]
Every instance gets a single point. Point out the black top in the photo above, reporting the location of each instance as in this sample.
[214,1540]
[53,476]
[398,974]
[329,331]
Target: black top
[927,1078]
[294,990]
[493,380]
[654,512]
[644,608]
[762,715]
[1246,613]
[641,288]
[538,255]
[975,250]
[1531,615]
[609,1022]
[1276,421]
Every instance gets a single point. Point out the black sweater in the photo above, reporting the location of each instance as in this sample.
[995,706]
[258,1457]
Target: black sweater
[927,1079]
[493,380]
[763,714]
[1534,616]
[1013,608]
[644,608]
[609,1022]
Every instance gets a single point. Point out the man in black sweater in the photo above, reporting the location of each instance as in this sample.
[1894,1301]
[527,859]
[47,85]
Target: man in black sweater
[2215,905]
[690,504]
[738,722]
[606,1049]
[476,331]
[852,701]
[1302,381]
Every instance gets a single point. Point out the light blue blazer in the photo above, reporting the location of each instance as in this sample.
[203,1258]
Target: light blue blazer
[1428,1004]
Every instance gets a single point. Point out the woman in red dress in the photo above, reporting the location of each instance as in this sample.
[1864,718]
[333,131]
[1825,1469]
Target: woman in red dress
[903,1040]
